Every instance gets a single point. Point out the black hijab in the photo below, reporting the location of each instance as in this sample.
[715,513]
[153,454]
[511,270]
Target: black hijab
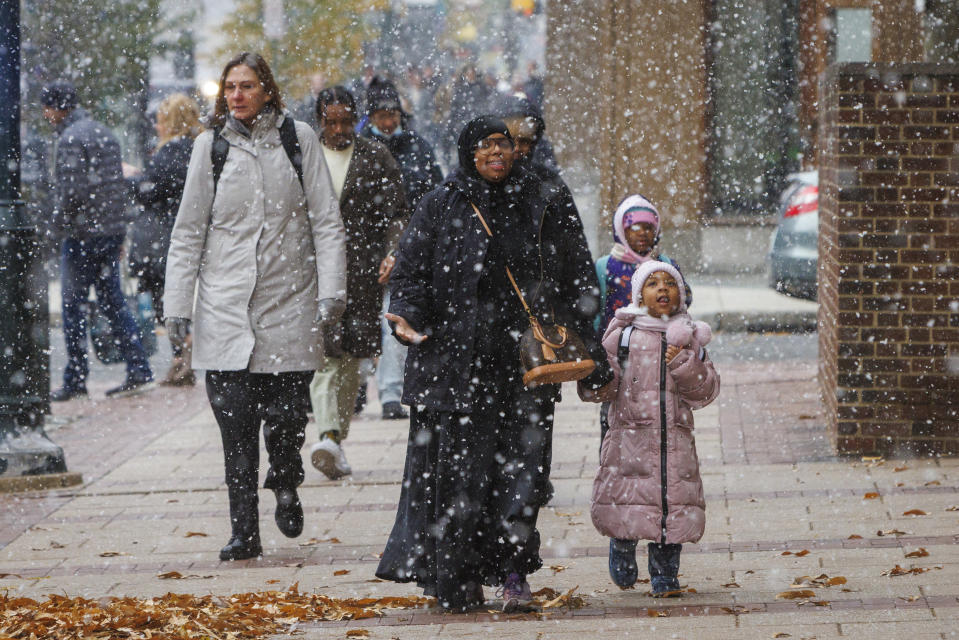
[504,206]
[471,135]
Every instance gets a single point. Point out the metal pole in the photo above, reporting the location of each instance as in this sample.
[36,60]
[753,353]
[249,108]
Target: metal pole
[25,450]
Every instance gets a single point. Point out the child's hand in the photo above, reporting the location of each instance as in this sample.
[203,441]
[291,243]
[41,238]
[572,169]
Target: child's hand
[672,351]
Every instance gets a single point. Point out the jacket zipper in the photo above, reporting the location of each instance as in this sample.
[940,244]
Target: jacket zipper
[662,432]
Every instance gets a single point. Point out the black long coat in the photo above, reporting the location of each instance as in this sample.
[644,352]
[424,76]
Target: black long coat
[372,200]
[438,267]
[159,189]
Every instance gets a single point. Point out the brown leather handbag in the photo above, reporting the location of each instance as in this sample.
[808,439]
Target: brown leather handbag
[549,353]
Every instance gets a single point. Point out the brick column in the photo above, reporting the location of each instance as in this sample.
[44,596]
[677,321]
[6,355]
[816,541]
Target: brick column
[889,258]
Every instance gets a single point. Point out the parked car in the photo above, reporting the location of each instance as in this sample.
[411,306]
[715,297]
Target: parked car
[794,249]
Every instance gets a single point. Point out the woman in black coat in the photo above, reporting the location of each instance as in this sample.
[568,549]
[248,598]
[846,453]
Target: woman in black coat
[159,189]
[477,460]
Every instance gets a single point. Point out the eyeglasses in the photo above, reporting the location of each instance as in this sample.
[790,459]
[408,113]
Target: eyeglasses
[488,144]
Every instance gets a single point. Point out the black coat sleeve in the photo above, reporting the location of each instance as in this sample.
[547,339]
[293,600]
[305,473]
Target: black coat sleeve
[411,286]
[576,282]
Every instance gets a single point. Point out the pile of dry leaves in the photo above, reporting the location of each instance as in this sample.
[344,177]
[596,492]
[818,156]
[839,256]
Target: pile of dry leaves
[184,616]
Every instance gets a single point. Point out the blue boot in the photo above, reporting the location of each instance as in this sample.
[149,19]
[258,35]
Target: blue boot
[622,562]
[664,569]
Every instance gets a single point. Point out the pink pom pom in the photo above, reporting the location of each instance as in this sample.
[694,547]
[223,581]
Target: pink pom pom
[703,333]
[679,333]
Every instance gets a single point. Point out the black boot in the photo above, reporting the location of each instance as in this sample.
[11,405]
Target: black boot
[242,548]
[289,512]
[245,522]
[664,569]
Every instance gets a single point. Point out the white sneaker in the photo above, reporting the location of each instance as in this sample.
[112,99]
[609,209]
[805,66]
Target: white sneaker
[328,457]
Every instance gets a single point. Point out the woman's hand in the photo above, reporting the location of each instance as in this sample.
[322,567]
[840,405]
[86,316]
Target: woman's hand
[672,351]
[596,395]
[404,330]
[386,268]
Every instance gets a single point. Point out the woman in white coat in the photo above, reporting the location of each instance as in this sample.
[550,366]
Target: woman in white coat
[257,263]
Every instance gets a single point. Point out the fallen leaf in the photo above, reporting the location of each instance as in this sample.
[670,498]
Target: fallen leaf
[731,585]
[806,416]
[272,581]
[315,541]
[822,580]
[954,507]
[549,598]
[915,512]
[854,536]
[735,610]
[8,575]
[112,554]
[657,613]
[899,571]
[376,580]
[782,634]
[932,483]
[898,469]
[798,554]
[172,500]
[749,571]
[691,590]
[870,495]
[557,568]
[910,598]
[900,484]
[171,575]
[568,515]
[341,572]
[357,633]
[795,595]
[919,553]
[892,532]
[194,534]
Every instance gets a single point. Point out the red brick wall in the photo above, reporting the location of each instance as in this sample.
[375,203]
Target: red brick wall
[889,258]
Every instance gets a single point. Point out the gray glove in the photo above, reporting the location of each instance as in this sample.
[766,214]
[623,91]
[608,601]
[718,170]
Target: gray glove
[178,329]
[330,311]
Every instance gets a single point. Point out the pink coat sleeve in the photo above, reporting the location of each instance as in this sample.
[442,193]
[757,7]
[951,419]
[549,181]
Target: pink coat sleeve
[697,382]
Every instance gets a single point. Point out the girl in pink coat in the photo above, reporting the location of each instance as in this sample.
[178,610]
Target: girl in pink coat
[648,485]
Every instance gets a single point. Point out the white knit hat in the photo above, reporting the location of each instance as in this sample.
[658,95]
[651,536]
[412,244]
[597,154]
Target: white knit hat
[646,269]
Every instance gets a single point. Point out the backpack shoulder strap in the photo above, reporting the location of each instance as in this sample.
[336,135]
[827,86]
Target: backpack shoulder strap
[291,144]
[622,354]
[218,153]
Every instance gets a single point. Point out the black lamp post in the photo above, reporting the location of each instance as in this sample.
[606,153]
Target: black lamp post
[25,450]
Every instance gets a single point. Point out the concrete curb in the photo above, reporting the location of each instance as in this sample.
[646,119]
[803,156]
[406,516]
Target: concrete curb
[41,482]
[789,322]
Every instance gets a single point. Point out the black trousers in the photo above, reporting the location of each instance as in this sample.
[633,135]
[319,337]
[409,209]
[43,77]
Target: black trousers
[241,402]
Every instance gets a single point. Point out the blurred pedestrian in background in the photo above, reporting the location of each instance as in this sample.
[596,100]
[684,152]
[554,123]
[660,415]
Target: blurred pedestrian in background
[259,243]
[389,124]
[90,215]
[368,183]
[159,189]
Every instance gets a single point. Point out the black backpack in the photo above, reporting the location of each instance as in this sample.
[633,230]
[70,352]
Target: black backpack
[291,145]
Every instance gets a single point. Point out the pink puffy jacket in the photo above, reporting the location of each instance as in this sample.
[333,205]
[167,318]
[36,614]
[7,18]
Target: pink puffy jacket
[648,485]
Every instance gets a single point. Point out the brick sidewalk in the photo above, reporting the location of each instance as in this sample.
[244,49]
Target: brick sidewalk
[152,467]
